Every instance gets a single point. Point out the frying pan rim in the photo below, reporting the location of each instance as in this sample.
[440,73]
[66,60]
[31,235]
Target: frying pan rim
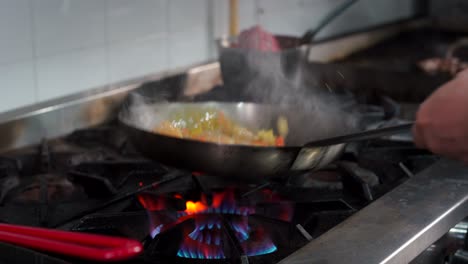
[210,144]
[127,123]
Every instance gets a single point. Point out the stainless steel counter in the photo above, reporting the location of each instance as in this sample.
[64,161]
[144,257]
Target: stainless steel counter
[399,226]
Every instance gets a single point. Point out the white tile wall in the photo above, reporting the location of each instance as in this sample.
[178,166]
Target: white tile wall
[130,59]
[293,17]
[51,48]
[15,31]
[62,26]
[71,72]
[189,38]
[137,39]
[17,85]
[248,9]
[133,20]
[186,16]
[183,51]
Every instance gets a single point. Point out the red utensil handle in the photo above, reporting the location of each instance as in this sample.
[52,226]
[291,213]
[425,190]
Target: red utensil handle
[87,246]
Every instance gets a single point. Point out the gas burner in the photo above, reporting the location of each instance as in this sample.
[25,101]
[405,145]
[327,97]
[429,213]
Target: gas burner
[46,187]
[215,225]
[26,181]
[230,227]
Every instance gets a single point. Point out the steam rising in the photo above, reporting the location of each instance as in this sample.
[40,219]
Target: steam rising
[282,79]
[139,111]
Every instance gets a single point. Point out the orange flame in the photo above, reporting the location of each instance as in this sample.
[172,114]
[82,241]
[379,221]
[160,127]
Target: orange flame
[195,207]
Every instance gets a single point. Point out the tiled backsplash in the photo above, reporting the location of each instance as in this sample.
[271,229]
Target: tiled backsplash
[51,48]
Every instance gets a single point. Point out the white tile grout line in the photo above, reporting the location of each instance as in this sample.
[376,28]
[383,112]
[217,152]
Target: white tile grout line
[34,51]
[107,41]
[168,35]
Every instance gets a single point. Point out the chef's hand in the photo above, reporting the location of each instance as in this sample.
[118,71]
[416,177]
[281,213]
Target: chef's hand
[442,120]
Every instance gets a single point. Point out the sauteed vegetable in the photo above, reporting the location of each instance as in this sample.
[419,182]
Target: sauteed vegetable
[212,125]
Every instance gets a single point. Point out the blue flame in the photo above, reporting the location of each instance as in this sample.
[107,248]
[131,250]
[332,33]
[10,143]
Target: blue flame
[218,240]
[257,248]
[198,255]
[231,209]
[195,251]
[156,231]
[205,240]
[270,248]
[207,231]
[194,234]
[242,236]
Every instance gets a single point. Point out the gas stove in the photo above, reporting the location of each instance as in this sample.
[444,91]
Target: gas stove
[68,165]
[93,181]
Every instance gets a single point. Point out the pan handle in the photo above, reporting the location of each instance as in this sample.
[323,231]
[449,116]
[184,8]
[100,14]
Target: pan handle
[361,136]
[312,154]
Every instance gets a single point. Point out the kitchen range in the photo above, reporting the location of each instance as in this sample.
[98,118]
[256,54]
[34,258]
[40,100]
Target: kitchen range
[69,165]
